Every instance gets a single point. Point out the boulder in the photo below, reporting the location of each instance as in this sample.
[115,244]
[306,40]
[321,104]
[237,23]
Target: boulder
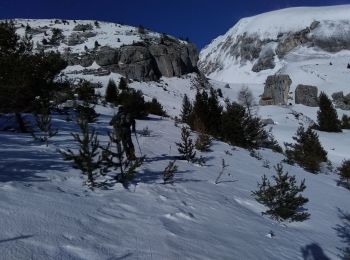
[306,95]
[347,99]
[276,90]
[338,96]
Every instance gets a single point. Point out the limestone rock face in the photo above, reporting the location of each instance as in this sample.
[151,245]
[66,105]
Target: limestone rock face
[144,61]
[306,95]
[276,90]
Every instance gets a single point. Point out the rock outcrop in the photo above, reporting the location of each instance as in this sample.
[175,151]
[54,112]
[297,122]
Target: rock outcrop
[143,61]
[341,101]
[306,95]
[276,90]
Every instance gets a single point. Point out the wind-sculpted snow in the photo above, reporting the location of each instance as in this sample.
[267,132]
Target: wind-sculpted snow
[46,213]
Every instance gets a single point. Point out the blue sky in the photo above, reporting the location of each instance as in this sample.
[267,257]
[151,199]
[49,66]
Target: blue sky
[200,20]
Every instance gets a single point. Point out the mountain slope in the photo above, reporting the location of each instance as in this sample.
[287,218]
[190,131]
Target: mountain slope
[136,53]
[292,41]
[47,214]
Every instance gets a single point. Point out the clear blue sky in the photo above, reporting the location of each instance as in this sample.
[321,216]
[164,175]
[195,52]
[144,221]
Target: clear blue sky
[200,20]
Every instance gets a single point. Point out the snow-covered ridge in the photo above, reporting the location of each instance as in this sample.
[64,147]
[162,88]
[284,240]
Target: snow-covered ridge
[269,25]
[259,46]
[134,52]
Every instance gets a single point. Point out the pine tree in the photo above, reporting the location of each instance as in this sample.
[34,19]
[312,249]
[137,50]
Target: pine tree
[186,110]
[87,159]
[307,151]
[43,122]
[114,159]
[238,128]
[186,148]
[344,173]
[111,95]
[345,122]
[283,198]
[169,172]
[123,84]
[213,124]
[200,111]
[203,142]
[327,115]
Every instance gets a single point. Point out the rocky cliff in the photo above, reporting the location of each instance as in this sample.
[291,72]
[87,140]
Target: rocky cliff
[262,43]
[136,53]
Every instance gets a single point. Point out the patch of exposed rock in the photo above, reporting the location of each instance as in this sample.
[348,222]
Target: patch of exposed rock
[341,101]
[143,61]
[276,90]
[306,95]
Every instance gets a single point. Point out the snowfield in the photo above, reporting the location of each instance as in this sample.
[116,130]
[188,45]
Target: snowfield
[46,213]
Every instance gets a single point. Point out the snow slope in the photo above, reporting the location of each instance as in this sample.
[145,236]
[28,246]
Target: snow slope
[47,214]
[107,34]
[223,59]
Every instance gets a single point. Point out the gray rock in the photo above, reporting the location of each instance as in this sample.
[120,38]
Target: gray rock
[306,95]
[149,61]
[106,56]
[266,61]
[83,27]
[347,99]
[338,96]
[267,121]
[276,90]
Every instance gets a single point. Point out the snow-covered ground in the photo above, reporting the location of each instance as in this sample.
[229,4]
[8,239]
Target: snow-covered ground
[305,64]
[46,213]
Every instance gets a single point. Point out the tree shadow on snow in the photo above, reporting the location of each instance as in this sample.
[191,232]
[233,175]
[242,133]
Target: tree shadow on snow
[15,238]
[313,252]
[343,231]
[163,157]
[22,161]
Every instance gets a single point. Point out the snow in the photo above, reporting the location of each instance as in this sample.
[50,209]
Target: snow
[301,62]
[46,213]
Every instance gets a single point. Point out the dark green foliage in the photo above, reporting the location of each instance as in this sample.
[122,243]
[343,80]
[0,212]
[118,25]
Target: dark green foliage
[186,110]
[24,75]
[56,37]
[240,129]
[43,122]
[200,111]
[219,91]
[155,108]
[96,45]
[327,116]
[111,92]
[186,147]
[123,84]
[203,142]
[307,151]
[344,173]
[345,122]
[133,102]
[113,159]
[87,112]
[87,159]
[169,172]
[214,113]
[86,92]
[283,198]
